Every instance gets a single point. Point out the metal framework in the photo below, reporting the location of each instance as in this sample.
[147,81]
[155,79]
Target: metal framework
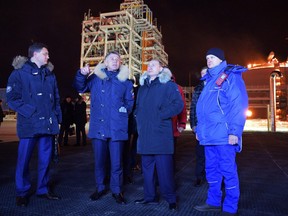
[131,31]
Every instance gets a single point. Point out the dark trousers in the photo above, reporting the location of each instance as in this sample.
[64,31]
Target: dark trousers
[25,150]
[200,161]
[80,131]
[129,155]
[115,148]
[127,159]
[164,166]
[64,130]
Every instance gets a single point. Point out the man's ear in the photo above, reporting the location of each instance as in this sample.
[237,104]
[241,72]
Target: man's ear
[105,63]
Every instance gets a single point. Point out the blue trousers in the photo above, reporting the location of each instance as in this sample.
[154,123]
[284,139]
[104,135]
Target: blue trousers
[115,148]
[164,166]
[25,150]
[220,163]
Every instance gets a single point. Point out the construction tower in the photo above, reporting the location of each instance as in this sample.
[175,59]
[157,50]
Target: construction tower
[131,31]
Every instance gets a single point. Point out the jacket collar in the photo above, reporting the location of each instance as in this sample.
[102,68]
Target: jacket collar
[164,76]
[20,61]
[123,74]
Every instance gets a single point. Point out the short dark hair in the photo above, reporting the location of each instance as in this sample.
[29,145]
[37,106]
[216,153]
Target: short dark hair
[36,47]
[159,61]
[203,68]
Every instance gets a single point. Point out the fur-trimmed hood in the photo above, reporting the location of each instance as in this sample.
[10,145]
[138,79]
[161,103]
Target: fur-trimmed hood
[122,76]
[19,61]
[164,76]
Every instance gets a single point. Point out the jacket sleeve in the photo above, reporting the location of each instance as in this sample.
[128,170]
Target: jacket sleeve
[193,116]
[175,104]
[80,82]
[57,103]
[238,101]
[14,96]
[129,97]
[182,116]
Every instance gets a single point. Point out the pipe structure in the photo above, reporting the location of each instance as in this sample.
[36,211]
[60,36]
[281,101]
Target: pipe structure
[273,76]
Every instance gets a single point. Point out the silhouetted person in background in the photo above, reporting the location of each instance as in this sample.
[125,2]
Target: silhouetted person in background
[80,118]
[199,149]
[67,108]
[130,146]
[33,93]
[179,121]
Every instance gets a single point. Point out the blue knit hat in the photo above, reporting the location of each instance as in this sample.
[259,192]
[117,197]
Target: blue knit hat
[216,52]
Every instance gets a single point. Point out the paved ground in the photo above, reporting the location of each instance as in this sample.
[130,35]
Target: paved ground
[263,171]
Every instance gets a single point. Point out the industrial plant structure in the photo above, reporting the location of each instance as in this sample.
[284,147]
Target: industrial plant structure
[132,31]
[259,85]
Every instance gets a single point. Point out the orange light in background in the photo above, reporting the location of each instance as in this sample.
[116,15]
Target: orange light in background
[248,113]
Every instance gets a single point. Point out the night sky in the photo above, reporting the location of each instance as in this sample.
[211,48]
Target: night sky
[246,30]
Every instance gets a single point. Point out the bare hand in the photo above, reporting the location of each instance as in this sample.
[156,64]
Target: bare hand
[193,129]
[232,139]
[180,129]
[85,70]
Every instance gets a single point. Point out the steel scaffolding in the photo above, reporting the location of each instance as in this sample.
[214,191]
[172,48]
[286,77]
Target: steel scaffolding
[131,31]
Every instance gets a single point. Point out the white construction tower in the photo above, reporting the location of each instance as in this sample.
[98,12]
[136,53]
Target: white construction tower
[131,31]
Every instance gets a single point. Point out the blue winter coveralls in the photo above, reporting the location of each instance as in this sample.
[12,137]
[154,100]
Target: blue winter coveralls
[220,113]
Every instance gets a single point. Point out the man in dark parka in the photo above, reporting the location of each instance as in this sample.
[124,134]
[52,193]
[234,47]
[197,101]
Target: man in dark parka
[33,93]
[158,100]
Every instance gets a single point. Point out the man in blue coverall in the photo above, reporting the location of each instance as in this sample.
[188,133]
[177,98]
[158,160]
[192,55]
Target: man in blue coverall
[221,118]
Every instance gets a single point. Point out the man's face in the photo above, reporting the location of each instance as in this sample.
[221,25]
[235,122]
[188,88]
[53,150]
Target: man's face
[154,68]
[112,62]
[41,58]
[212,61]
[203,72]
[68,99]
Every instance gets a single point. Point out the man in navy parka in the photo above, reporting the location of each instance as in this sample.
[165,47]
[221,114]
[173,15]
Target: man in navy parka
[111,102]
[33,93]
[221,118]
[158,101]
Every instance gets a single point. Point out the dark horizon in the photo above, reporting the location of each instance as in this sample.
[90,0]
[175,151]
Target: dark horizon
[245,30]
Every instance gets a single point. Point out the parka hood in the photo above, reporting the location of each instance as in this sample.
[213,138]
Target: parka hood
[122,76]
[164,76]
[19,61]
[227,68]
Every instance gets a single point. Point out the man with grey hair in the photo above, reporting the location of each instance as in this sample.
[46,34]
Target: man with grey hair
[111,102]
